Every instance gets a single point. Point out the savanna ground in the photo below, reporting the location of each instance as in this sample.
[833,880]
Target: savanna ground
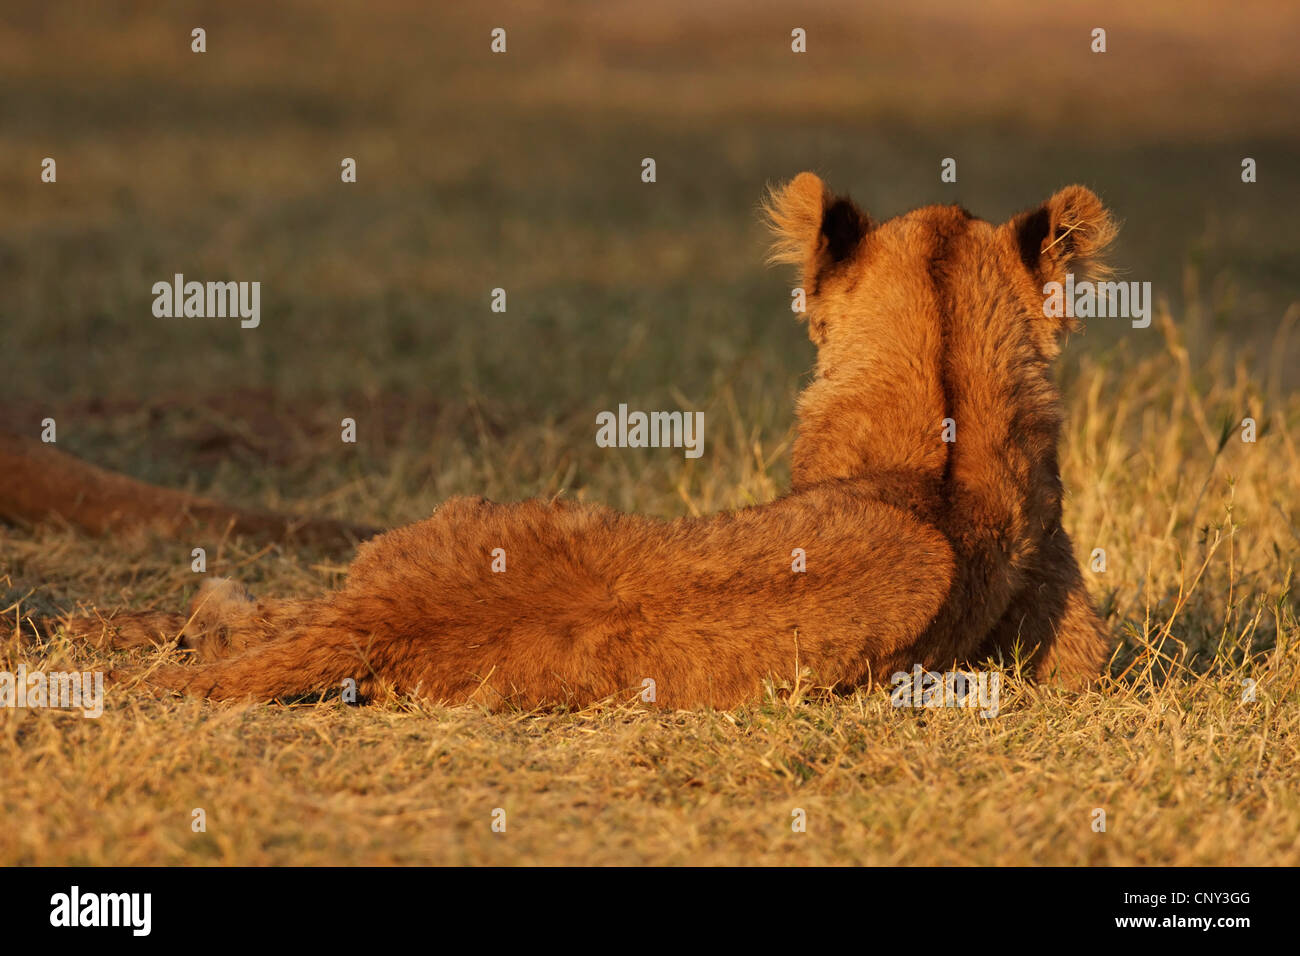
[522,172]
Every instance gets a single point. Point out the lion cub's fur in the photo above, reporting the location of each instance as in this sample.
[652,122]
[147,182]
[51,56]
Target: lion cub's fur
[918,550]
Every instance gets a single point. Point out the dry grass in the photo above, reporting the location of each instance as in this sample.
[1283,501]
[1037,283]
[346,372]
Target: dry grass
[1200,537]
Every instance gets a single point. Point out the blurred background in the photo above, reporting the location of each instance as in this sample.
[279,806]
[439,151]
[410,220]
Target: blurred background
[522,171]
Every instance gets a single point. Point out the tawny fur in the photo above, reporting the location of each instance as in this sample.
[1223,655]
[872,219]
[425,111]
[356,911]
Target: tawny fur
[918,550]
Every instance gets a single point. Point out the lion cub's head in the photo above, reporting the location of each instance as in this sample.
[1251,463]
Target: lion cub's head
[930,327]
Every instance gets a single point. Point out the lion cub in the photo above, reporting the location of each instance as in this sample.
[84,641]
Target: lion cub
[926,500]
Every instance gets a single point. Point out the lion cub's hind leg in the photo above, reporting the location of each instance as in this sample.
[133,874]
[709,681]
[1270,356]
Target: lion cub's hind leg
[123,630]
[223,621]
[315,651]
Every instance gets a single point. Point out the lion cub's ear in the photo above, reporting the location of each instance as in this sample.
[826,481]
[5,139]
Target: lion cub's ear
[1068,233]
[812,228]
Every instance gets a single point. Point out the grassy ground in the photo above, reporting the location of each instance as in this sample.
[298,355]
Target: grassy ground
[523,172]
